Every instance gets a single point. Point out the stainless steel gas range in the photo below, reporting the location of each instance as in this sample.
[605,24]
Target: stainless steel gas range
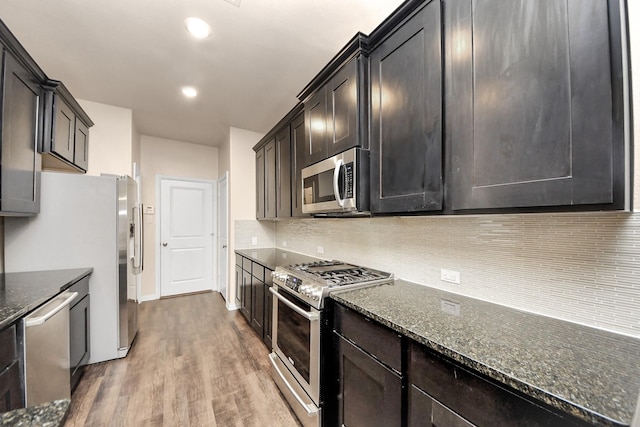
[300,291]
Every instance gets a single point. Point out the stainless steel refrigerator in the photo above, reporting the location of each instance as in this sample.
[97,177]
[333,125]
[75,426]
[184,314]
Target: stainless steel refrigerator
[87,221]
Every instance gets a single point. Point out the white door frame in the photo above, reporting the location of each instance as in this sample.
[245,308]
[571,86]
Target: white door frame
[224,177]
[214,255]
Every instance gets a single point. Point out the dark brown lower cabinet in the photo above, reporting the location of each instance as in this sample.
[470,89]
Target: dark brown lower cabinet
[369,393]
[246,294]
[253,281]
[423,410]
[450,395]
[268,313]
[79,327]
[11,392]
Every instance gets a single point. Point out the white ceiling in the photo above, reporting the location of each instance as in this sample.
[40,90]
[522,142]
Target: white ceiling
[137,54]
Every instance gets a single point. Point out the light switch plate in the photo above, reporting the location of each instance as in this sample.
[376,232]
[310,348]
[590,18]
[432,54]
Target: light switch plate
[254,241]
[320,250]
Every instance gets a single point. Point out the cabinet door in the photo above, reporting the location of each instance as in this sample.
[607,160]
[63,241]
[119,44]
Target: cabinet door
[21,131]
[238,286]
[369,393]
[257,299]
[534,113]
[245,306]
[342,109]
[260,184]
[315,116]
[268,315]
[11,388]
[270,180]
[81,153]
[79,328]
[297,163]
[283,173]
[64,127]
[406,116]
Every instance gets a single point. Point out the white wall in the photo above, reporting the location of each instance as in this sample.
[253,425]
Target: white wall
[110,139]
[168,158]
[242,190]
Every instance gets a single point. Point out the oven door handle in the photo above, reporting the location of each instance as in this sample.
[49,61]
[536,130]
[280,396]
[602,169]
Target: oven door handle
[309,316]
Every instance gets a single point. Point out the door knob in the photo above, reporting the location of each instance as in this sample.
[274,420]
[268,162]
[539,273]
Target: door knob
[164,244]
[224,246]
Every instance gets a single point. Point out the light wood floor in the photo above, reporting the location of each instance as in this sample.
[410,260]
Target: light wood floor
[193,364]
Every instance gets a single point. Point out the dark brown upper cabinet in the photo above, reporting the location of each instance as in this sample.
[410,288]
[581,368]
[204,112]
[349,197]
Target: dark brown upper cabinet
[297,162]
[283,172]
[275,168]
[406,112]
[21,128]
[534,104]
[266,180]
[66,130]
[335,104]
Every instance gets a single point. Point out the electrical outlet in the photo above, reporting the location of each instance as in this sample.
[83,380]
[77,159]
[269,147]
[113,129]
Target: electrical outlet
[450,307]
[320,250]
[450,276]
[284,243]
[254,241]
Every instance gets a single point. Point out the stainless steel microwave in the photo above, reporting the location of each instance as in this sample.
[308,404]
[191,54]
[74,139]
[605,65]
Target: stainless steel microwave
[337,186]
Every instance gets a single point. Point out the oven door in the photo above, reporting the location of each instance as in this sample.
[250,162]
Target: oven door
[296,342]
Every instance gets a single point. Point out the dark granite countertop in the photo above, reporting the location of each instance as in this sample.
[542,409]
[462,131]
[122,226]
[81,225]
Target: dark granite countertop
[21,293]
[588,372]
[272,257]
[51,414]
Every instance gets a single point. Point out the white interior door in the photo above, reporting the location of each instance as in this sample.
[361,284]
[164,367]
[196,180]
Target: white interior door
[186,237]
[223,249]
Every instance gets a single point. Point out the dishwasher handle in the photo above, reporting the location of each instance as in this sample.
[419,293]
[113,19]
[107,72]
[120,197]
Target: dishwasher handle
[39,320]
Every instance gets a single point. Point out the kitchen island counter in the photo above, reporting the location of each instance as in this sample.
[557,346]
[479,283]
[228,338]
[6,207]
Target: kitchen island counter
[21,293]
[272,257]
[52,414]
[590,373]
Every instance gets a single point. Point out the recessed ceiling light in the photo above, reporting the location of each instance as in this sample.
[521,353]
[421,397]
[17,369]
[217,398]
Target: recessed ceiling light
[189,92]
[197,27]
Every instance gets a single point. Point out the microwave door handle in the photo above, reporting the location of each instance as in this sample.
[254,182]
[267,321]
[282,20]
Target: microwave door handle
[336,175]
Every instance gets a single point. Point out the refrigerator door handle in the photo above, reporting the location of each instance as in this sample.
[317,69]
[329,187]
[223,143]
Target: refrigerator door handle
[137,243]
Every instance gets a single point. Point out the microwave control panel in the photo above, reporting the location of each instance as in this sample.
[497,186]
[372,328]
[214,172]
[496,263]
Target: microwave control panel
[348,180]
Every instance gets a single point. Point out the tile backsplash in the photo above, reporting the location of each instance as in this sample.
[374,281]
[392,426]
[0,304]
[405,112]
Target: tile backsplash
[254,234]
[581,267]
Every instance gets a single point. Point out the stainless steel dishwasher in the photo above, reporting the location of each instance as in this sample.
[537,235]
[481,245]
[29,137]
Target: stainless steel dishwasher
[46,351]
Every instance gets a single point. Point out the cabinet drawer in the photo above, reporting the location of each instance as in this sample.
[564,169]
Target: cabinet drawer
[82,288]
[376,339]
[7,346]
[478,400]
[257,271]
[246,264]
[11,388]
[238,260]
